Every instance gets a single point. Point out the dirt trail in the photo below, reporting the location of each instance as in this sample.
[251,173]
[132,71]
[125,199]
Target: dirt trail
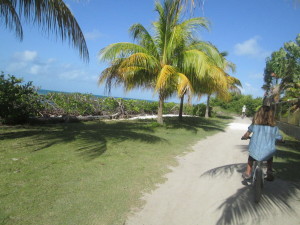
[207,188]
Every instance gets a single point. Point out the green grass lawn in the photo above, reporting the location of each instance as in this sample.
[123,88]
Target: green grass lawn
[287,159]
[88,173]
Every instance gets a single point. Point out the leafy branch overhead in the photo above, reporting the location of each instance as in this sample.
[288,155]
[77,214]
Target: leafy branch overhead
[282,72]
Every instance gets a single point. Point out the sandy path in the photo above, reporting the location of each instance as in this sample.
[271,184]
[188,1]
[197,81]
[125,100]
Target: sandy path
[207,188]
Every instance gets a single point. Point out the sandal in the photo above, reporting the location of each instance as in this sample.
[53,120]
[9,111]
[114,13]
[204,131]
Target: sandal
[246,176]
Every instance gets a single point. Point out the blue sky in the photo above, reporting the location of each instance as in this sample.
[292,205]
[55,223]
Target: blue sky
[248,30]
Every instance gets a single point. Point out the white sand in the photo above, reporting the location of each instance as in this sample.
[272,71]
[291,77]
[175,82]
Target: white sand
[206,188]
[155,116]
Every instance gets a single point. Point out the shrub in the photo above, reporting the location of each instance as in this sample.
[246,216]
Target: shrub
[236,103]
[199,110]
[18,101]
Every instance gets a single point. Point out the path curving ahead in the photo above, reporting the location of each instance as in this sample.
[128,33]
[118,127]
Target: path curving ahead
[206,188]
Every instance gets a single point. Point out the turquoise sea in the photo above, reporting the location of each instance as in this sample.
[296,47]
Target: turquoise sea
[44,92]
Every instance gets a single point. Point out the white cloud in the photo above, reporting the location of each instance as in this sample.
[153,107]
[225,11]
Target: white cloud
[26,56]
[93,35]
[251,47]
[28,62]
[35,69]
[31,66]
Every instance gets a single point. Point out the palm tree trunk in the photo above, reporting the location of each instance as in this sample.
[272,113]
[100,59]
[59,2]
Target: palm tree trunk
[207,111]
[181,107]
[160,110]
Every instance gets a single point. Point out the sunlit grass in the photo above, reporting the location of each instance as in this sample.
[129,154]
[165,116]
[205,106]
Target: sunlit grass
[88,173]
[287,159]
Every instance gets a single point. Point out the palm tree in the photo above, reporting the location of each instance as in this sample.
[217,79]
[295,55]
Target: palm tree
[53,15]
[208,77]
[218,81]
[155,61]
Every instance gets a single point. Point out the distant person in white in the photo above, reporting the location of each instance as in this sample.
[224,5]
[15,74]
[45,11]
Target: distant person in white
[244,111]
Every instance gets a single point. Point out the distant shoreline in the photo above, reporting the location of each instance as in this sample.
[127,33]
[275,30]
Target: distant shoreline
[45,92]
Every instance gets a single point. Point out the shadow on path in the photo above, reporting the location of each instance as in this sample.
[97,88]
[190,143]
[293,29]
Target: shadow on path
[240,207]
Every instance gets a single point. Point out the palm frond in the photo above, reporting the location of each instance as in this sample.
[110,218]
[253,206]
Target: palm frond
[148,62]
[11,18]
[140,33]
[164,76]
[120,50]
[51,15]
[184,84]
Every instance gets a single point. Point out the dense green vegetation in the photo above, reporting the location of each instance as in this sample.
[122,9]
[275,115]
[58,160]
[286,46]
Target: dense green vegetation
[88,173]
[17,101]
[282,72]
[76,104]
[282,81]
[235,104]
[20,101]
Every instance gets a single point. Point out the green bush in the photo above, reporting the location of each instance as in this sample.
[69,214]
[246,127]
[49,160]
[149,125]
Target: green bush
[18,101]
[170,108]
[236,103]
[199,110]
[71,104]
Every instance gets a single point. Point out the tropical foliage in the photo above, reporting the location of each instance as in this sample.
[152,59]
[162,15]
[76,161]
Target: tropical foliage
[17,101]
[236,103]
[21,103]
[282,72]
[77,104]
[52,15]
[170,61]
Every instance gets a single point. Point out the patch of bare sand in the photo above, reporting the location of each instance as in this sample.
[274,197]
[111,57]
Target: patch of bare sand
[207,188]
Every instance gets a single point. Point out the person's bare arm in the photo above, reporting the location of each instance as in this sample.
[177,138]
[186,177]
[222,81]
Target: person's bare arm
[246,135]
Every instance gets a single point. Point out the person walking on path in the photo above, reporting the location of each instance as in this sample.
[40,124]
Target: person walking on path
[244,111]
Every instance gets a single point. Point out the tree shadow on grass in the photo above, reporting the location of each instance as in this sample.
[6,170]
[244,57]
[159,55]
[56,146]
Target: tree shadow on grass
[193,124]
[93,136]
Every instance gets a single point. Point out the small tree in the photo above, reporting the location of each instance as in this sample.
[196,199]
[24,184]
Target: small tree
[17,101]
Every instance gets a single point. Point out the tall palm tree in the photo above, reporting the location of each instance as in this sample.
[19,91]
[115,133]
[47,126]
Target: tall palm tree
[208,77]
[217,82]
[155,61]
[53,15]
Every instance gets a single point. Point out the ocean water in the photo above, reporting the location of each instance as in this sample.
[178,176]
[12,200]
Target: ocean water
[44,92]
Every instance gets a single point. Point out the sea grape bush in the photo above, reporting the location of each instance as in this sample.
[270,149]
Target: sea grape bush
[74,104]
[18,100]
